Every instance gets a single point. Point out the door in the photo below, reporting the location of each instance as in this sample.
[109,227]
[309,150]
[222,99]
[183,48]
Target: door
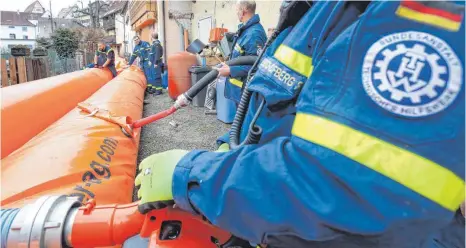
[204,26]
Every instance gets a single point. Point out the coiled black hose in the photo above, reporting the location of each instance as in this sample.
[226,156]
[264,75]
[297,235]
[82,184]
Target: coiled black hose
[255,132]
[209,77]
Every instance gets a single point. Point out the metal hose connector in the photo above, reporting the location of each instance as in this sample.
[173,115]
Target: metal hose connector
[6,219]
[45,223]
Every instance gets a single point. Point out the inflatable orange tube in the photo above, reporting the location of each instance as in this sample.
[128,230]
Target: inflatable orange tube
[29,108]
[85,153]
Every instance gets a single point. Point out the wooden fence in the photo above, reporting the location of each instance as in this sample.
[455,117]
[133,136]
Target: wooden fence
[16,70]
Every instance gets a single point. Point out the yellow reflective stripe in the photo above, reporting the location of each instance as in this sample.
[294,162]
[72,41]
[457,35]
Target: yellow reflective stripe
[238,48]
[419,174]
[111,50]
[294,60]
[236,82]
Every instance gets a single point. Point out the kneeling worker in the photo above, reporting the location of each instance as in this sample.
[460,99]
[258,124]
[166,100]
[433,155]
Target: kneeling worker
[105,57]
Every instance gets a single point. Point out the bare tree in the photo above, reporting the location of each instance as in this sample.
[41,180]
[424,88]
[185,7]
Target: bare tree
[93,10]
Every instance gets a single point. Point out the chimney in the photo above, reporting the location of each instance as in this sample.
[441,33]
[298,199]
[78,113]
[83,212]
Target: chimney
[17,12]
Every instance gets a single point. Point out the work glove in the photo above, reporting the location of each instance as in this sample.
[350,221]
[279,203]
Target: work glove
[155,178]
[225,147]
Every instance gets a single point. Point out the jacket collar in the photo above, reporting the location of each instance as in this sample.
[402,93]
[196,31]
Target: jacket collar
[254,20]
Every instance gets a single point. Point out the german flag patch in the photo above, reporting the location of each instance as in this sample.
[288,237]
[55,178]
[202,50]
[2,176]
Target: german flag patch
[442,14]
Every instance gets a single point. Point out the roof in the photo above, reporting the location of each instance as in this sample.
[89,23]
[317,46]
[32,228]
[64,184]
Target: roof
[115,7]
[60,22]
[31,6]
[15,18]
[64,12]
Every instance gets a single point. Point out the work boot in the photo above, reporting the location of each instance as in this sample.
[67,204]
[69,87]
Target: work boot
[157,92]
[150,90]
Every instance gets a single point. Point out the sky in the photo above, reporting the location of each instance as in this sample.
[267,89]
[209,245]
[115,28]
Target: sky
[57,5]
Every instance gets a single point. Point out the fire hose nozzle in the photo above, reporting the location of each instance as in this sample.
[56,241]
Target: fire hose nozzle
[181,101]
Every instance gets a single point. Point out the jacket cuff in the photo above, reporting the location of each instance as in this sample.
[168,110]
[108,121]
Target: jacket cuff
[181,180]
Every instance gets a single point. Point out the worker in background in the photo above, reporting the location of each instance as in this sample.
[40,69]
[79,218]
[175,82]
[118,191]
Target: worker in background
[105,58]
[368,162]
[142,51]
[155,57]
[249,39]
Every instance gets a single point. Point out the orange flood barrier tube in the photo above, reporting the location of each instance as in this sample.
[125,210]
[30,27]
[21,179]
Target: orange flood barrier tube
[85,153]
[29,108]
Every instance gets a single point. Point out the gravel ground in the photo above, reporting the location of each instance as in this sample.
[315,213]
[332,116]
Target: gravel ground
[195,129]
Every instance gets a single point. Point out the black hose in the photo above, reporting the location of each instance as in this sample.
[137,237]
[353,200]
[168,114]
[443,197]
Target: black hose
[255,131]
[209,77]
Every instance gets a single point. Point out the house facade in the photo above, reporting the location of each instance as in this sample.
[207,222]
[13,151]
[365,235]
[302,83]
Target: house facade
[115,26]
[16,29]
[35,7]
[65,13]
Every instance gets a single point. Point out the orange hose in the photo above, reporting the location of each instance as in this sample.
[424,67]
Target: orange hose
[106,225]
[29,108]
[152,118]
[85,156]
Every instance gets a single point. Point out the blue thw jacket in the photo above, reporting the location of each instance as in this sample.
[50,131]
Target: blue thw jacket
[142,51]
[249,38]
[376,152]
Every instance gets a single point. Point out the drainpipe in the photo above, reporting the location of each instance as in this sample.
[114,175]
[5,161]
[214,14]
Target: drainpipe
[181,37]
[124,35]
[162,27]
[186,39]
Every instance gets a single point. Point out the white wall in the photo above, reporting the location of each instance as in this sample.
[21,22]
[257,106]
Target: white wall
[18,31]
[172,30]
[224,12]
[121,32]
[6,43]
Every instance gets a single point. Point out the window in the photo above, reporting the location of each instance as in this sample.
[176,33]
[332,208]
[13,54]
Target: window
[13,36]
[25,37]
[11,26]
[25,29]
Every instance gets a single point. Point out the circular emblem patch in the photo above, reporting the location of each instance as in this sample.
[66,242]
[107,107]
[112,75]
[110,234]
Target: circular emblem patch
[412,74]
